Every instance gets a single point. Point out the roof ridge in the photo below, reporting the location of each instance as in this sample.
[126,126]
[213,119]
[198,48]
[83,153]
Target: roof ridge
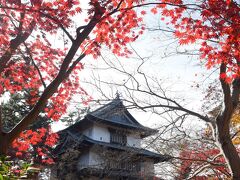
[111,102]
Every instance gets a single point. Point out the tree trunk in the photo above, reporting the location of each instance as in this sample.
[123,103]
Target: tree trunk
[229,151]
[3,144]
[66,68]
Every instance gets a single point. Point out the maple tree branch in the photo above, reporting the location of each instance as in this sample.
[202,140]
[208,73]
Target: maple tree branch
[75,63]
[60,25]
[3,139]
[228,109]
[223,127]
[35,65]
[22,14]
[118,6]
[1,123]
[235,134]
[173,31]
[53,86]
[14,44]
[235,92]
[21,21]
[29,9]
[46,15]
[165,3]
[78,30]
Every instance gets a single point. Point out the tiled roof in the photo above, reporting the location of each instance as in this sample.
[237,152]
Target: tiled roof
[140,151]
[82,139]
[115,113]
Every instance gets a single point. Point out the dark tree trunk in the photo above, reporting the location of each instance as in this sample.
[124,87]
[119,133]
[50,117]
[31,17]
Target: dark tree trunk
[3,144]
[65,70]
[229,151]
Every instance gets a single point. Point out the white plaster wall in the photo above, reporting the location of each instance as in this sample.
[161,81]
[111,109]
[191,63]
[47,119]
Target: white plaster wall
[100,133]
[83,161]
[88,132]
[95,160]
[133,140]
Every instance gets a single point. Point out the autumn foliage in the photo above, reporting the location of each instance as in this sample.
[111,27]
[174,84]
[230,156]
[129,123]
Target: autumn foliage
[216,29]
[35,145]
[202,163]
[48,68]
[32,62]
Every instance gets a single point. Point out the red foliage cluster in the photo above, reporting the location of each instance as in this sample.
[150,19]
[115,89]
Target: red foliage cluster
[30,61]
[193,160]
[215,25]
[36,60]
[35,144]
[115,30]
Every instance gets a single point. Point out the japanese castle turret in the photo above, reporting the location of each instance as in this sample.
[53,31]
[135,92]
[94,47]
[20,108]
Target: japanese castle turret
[106,144]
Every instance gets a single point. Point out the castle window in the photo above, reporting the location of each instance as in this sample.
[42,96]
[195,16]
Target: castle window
[118,137]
